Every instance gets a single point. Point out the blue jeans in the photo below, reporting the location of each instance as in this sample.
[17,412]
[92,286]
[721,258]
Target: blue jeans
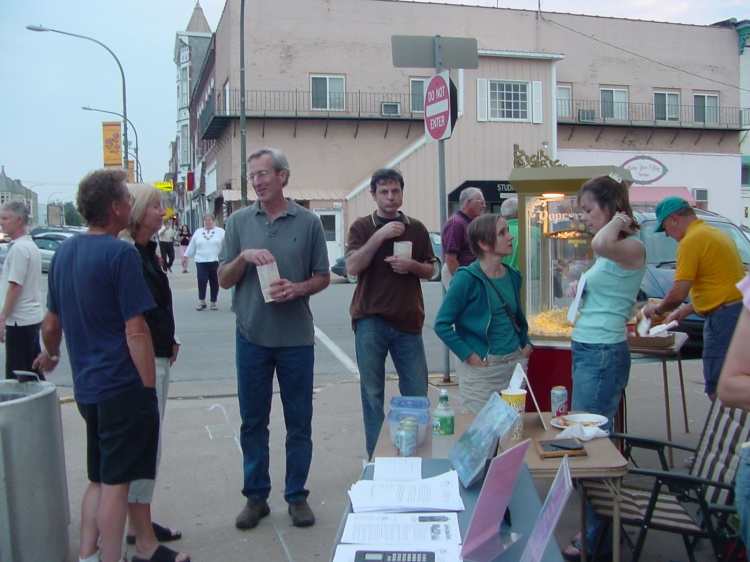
[600,374]
[717,333]
[742,494]
[294,370]
[374,338]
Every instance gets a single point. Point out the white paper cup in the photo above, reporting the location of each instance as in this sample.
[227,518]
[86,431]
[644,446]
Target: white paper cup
[402,249]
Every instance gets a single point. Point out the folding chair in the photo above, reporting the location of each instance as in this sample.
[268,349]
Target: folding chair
[695,505]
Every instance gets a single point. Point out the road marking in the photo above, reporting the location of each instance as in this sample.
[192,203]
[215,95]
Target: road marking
[337,352]
[228,424]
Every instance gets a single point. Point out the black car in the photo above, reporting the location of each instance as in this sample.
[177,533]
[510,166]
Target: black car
[660,266]
[339,267]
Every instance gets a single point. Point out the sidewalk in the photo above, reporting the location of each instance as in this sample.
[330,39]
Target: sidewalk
[198,488]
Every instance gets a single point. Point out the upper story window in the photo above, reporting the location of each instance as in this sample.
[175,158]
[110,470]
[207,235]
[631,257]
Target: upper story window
[614,103]
[327,93]
[183,86]
[416,90]
[184,54]
[508,101]
[666,106]
[706,108]
[564,101]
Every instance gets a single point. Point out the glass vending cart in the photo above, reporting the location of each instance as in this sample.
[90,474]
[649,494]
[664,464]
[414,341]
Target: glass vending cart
[554,250]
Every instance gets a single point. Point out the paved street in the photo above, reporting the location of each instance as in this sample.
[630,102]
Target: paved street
[207,352]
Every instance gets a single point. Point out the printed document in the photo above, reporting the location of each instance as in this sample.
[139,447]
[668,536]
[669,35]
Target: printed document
[439,493]
[398,468]
[401,529]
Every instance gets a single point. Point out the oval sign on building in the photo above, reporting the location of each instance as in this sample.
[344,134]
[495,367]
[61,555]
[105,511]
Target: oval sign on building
[645,169]
[437,107]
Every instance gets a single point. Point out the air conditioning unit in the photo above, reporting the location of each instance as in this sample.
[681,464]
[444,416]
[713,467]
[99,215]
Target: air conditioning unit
[390,108]
[587,115]
[701,198]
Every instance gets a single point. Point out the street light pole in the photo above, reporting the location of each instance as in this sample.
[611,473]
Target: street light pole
[243,139]
[135,131]
[122,74]
[138,172]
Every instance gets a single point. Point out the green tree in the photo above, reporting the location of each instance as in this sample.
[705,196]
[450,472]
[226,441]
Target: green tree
[72,216]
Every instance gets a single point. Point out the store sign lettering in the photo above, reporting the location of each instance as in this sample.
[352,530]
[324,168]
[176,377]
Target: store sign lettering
[645,169]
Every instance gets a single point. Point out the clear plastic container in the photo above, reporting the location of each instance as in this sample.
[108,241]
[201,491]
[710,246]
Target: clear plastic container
[424,423]
[410,403]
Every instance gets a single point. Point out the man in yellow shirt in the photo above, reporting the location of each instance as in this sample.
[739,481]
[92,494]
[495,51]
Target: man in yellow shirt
[708,269]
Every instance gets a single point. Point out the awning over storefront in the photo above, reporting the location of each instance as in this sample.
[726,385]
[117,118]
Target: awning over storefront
[648,194]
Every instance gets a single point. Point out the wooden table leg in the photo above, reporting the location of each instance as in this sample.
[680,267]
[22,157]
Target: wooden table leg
[682,389]
[616,483]
[667,410]
[584,554]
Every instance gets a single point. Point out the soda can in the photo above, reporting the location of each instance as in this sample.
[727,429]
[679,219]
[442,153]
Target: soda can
[406,436]
[559,401]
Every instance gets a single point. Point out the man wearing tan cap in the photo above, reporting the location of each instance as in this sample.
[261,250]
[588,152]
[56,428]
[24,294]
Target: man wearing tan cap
[708,270]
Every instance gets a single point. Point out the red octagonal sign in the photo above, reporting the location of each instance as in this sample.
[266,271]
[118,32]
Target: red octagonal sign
[437,107]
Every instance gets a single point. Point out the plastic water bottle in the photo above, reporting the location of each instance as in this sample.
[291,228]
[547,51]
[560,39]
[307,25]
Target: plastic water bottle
[443,418]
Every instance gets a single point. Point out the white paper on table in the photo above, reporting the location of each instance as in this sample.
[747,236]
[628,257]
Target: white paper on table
[582,432]
[663,329]
[439,493]
[400,529]
[445,553]
[573,308]
[516,381]
[267,274]
[398,468]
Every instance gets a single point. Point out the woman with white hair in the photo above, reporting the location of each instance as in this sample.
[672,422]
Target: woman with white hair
[204,248]
[145,221]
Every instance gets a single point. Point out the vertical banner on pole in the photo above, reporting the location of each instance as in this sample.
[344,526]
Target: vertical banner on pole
[112,143]
[131,171]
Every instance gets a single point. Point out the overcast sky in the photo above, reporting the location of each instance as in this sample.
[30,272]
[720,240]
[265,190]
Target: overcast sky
[48,142]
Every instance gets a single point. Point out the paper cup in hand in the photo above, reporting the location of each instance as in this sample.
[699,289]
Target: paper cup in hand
[402,249]
[516,399]
[267,274]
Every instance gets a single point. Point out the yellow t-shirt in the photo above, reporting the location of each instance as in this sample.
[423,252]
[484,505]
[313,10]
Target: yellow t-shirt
[709,259]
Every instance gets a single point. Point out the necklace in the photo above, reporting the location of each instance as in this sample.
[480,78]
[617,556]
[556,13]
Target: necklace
[208,234]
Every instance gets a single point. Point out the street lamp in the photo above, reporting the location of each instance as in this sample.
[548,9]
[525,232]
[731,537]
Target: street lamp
[122,74]
[138,172]
[243,140]
[135,131]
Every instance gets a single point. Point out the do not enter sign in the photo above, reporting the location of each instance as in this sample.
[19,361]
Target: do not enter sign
[439,107]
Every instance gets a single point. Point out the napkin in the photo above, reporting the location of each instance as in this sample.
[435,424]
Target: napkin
[582,432]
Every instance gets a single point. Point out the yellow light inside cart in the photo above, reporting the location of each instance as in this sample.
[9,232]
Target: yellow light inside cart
[553,195]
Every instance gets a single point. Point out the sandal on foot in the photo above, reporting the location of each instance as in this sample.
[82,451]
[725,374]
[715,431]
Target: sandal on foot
[163,534]
[161,554]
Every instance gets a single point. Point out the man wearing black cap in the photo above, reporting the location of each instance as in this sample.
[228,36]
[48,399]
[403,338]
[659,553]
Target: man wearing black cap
[708,270]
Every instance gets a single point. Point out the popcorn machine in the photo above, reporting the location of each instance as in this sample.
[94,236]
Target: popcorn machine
[554,250]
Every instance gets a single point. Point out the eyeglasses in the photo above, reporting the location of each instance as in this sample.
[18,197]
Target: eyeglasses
[259,174]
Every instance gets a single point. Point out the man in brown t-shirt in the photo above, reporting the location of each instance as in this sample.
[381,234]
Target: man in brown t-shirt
[387,307]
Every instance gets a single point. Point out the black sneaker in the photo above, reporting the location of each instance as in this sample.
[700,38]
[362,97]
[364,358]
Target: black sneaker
[301,514]
[251,514]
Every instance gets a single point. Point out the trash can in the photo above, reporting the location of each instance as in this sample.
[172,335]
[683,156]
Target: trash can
[34,509]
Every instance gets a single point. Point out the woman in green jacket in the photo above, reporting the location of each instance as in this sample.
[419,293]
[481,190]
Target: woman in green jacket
[481,319]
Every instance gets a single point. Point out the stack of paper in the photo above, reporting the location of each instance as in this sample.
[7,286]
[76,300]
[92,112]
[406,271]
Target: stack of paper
[439,493]
[398,468]
[402,529]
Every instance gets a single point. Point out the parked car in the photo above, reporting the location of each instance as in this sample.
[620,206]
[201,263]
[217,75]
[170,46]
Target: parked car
[339,266]
[48,242]
[660,266]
